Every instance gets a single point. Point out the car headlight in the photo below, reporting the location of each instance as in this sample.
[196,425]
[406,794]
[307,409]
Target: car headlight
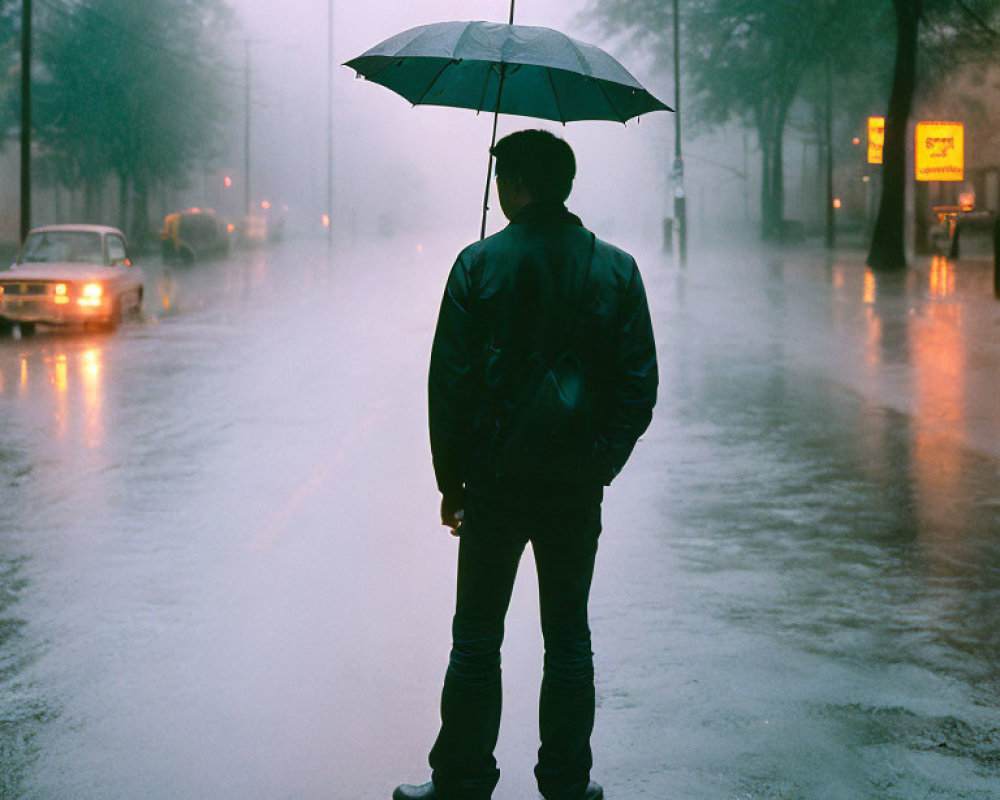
[61,292]
[90,295]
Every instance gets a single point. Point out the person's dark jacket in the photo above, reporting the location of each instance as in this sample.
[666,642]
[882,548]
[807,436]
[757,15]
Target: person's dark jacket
[514,296]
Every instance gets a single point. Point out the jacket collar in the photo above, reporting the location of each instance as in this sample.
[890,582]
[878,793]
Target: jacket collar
[545,214]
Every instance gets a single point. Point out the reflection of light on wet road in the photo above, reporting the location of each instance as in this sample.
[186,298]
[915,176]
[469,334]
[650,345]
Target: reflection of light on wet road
[873,343]
[838,280]
[917,352]
[57,378]
[90,375]
[939,397]
[868,296]
[64,383]
[942,277]
[166,288]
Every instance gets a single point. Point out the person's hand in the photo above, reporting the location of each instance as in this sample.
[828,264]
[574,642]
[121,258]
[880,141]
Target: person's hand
[452,512]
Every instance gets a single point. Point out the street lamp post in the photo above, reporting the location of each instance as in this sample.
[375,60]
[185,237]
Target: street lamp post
[25,118]
[329,127]
[680,201]
[247,210]
[830,240]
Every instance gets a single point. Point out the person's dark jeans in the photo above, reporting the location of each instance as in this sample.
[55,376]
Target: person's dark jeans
[564,542]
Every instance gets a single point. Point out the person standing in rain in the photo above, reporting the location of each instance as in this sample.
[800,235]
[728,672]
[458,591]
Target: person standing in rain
[542,378]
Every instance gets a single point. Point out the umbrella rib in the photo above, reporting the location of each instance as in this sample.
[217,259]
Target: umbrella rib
[618,113]
[383,66]
[555,95]
[586,70]
[430,85]
[486,85]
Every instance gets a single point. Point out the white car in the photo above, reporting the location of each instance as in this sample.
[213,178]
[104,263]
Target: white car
[71,274]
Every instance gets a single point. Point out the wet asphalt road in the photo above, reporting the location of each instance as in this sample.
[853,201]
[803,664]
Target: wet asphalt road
[221,573]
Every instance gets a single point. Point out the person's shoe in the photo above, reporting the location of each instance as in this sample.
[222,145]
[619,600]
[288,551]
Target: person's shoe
[425,791]
[594,791]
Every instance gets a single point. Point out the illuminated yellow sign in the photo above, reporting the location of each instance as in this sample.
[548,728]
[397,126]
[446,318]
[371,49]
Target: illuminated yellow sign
[876,139]
[940,151]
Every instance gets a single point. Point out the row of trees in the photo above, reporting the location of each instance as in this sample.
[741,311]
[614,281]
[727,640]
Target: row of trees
[754,60]
[125,91]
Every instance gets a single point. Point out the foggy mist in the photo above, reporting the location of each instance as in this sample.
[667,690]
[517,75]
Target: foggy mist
[222,573]
[403,168]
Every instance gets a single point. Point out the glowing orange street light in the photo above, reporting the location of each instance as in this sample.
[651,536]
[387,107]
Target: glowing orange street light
[326,220]
[836,202]
[227,181]
[265,204]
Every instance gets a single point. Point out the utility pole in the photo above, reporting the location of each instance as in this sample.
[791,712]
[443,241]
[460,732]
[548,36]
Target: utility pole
[680,202]
[25,118]
[246,128]
[329,128]
[831,229]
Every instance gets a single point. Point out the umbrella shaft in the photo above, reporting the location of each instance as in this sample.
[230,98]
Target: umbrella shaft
[493,141]
[489,174]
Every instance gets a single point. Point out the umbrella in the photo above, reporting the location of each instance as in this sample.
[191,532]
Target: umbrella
[513,69]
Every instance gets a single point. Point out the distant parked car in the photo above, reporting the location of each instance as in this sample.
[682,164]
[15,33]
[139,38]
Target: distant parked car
[193,235]
[71,274]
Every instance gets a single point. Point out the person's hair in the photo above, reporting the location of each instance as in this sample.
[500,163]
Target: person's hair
[542,160]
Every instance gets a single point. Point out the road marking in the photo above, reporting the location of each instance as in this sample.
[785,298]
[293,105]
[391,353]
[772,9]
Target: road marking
[280,520]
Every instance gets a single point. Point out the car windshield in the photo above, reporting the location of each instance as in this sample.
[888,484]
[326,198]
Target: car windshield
[82,247]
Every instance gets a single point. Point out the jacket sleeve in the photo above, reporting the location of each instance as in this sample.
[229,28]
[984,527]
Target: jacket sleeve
[449,390]
[634,380]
